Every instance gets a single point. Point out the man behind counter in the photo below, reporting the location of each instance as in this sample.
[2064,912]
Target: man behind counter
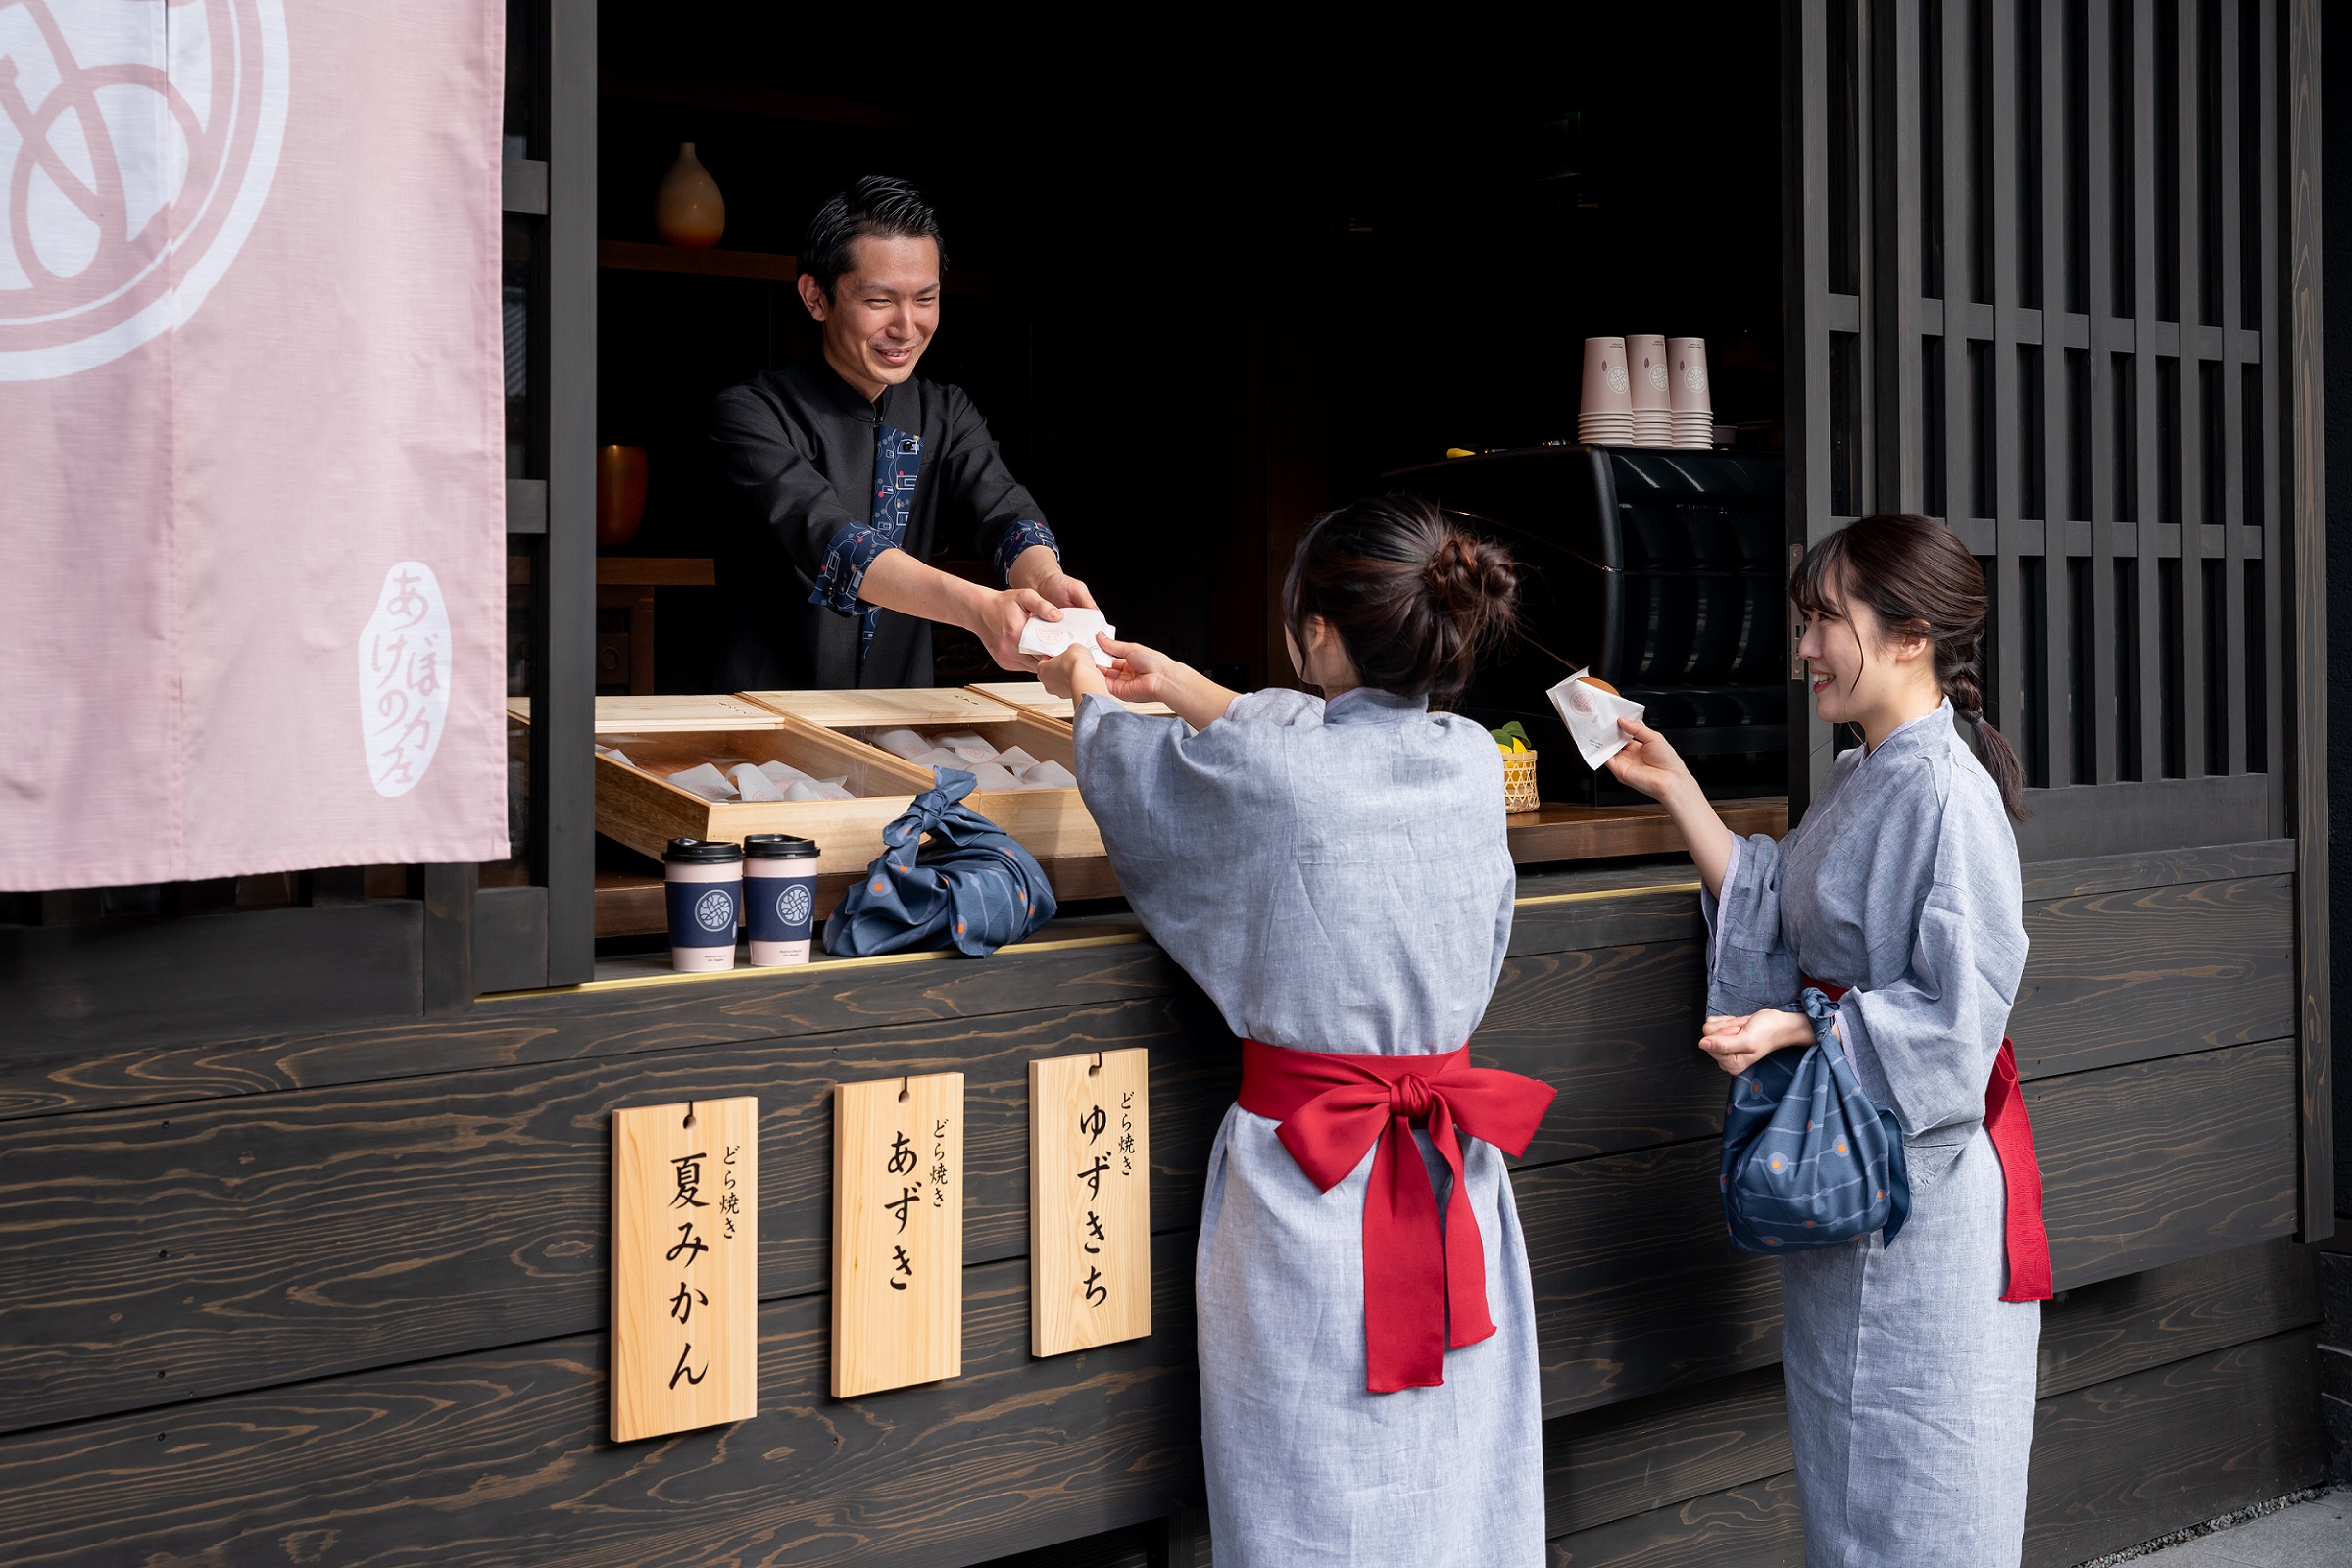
[844,468]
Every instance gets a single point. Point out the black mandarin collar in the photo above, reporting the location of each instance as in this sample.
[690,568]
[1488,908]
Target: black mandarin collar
[847,400]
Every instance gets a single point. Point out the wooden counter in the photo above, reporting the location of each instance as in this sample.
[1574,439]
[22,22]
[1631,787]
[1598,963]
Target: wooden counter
[348,1288]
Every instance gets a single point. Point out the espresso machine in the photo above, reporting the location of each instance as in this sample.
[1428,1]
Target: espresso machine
[1660,569]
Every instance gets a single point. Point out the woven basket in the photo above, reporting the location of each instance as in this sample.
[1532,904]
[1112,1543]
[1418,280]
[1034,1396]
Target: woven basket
[1519,782]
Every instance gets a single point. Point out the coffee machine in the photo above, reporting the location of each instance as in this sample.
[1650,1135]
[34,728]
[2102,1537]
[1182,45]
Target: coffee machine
[1660,569]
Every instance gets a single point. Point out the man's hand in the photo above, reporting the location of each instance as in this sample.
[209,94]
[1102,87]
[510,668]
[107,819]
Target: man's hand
[1738,1043]
[1040,570]
[997,618]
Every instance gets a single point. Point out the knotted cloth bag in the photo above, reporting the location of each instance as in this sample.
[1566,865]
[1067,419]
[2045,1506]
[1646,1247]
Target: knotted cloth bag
[1807,1159]
[972,886]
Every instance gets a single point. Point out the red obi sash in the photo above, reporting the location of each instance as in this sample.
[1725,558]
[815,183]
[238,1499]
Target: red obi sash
[1425,1289]
[2012,1135]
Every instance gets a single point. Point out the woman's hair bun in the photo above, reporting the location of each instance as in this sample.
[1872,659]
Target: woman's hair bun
[1414,596]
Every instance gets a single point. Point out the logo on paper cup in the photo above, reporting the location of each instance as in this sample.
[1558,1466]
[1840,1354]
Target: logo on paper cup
[138,140]
[1694,377]
[1657,376]
[714,910]
[793,906]
[1616,379]
[404,677]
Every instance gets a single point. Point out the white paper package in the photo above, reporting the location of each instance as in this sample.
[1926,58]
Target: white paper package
[1051,637]
[1592,717]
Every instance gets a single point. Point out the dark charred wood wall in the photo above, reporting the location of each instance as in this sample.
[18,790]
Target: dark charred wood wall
[341,1297]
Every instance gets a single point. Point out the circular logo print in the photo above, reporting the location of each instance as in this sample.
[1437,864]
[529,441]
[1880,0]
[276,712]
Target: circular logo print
[793,906]
[714,910]
[1696,379]
[137,144]
[1616,379]
[1657,376]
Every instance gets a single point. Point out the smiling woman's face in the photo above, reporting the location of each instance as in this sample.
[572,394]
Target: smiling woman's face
[1846,659]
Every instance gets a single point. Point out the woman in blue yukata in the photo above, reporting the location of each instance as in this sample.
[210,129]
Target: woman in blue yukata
[1333,873]
[1910,1365]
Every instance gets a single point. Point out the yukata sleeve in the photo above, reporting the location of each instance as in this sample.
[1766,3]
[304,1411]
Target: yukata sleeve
[1002,514]
[1931,1035]
[1750,965]
[779,489]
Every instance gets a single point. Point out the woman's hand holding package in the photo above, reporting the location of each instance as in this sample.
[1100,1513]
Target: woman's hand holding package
[1738,1043]
[1071,673]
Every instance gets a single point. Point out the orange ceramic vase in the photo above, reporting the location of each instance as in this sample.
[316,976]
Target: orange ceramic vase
[688,208]
[619,495]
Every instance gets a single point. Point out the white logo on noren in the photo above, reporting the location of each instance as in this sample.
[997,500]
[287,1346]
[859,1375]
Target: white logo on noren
[137,145]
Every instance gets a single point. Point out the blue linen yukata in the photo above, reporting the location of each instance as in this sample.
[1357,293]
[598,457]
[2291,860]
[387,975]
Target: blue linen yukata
[1910,1382]
[1335,879]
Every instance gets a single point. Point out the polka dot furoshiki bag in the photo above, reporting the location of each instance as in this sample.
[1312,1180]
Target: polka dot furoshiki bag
[971,886]
[1807,1159]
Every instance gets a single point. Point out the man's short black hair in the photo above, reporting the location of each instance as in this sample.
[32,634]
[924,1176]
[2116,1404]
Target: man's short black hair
[876,205]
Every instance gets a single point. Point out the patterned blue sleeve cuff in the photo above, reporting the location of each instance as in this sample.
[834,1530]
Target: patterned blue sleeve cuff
[1019,538]
[843,575]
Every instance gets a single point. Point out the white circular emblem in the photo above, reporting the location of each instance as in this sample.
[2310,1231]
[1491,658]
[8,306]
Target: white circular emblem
[1695,377]
[1616,379]
[791,905]
[138,140]
[1657,376]
[714,910]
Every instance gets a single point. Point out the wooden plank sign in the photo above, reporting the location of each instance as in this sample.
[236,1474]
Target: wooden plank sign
[685,1266]
[1089,1199]
[898,1232]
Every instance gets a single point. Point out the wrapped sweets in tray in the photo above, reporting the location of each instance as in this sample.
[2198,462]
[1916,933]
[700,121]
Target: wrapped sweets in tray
[719,767]
[1023,763]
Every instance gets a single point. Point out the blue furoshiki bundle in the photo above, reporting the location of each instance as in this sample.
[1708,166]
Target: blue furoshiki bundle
[1807,1159]
[971,887]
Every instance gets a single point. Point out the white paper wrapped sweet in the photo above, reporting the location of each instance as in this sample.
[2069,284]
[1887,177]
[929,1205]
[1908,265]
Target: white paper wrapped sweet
[902,743]
[616,754]
[754,784]
[1012,756]
[782,774]
[1592,717]
[972,747]
[819,789]
[1049,637]
[707,781]
[1049,775]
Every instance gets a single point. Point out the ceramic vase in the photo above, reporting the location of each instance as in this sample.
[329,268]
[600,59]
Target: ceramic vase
[688,208]
[619,495]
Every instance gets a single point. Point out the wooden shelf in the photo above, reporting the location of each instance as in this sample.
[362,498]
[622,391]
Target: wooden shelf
[758,267]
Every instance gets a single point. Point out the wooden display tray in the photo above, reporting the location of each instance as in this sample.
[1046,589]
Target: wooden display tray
[1032,698]
[1052,824]
[640,716]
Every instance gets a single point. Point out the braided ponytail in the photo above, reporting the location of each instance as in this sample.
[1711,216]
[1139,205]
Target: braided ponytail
[1920,581]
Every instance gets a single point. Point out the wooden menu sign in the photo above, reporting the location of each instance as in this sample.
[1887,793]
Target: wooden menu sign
[685,1266]
[898,1232]
[1090,1201]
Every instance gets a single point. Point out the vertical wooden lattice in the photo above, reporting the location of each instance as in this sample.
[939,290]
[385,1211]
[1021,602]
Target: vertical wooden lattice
[2037,293]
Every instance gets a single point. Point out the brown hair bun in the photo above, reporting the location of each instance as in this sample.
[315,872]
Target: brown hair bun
[1414,597]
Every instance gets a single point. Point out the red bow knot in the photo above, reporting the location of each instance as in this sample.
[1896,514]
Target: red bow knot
[1425,1285]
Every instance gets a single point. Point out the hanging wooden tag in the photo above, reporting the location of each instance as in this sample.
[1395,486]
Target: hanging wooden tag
[1090,1201]
[898,1232]
[685,1266]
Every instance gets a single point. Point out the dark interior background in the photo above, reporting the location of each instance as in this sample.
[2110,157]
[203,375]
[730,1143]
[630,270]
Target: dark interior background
[1204,289]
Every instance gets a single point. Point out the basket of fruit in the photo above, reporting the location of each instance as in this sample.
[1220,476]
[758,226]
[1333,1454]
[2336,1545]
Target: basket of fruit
[1518,768]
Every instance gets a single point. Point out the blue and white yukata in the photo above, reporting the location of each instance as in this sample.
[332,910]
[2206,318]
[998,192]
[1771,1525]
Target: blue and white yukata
[1910,1382]
[1337,879]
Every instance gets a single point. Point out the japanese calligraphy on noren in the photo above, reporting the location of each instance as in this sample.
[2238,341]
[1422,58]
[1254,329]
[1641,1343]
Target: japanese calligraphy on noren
[898,1232]
[405,656]
[685,1266]
[1090,1201]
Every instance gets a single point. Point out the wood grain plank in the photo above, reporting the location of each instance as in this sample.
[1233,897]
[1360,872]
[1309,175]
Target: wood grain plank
[498,1458]
[2123,1461]
[1661,1451]
[147,1258]
[1637,1288]
[2130,975]
[2157,868]
[1751,1526]
[2158,1162]
[2094,1333]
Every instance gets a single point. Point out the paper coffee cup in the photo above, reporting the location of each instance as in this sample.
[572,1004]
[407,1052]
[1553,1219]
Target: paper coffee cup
[1687,368]
[1607,388]
[702,883]
[1646,358]
[779,897]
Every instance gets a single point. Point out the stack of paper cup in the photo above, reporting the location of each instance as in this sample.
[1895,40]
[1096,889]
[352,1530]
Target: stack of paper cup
[1693,411]
[1605,416]
[1654,408]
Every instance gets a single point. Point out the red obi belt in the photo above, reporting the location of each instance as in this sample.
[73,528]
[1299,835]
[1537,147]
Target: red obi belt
[2012,1135]
[1425,1287]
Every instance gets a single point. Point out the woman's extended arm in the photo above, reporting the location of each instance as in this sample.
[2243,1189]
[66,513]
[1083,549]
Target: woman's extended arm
[1141,675]
[1649,765]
